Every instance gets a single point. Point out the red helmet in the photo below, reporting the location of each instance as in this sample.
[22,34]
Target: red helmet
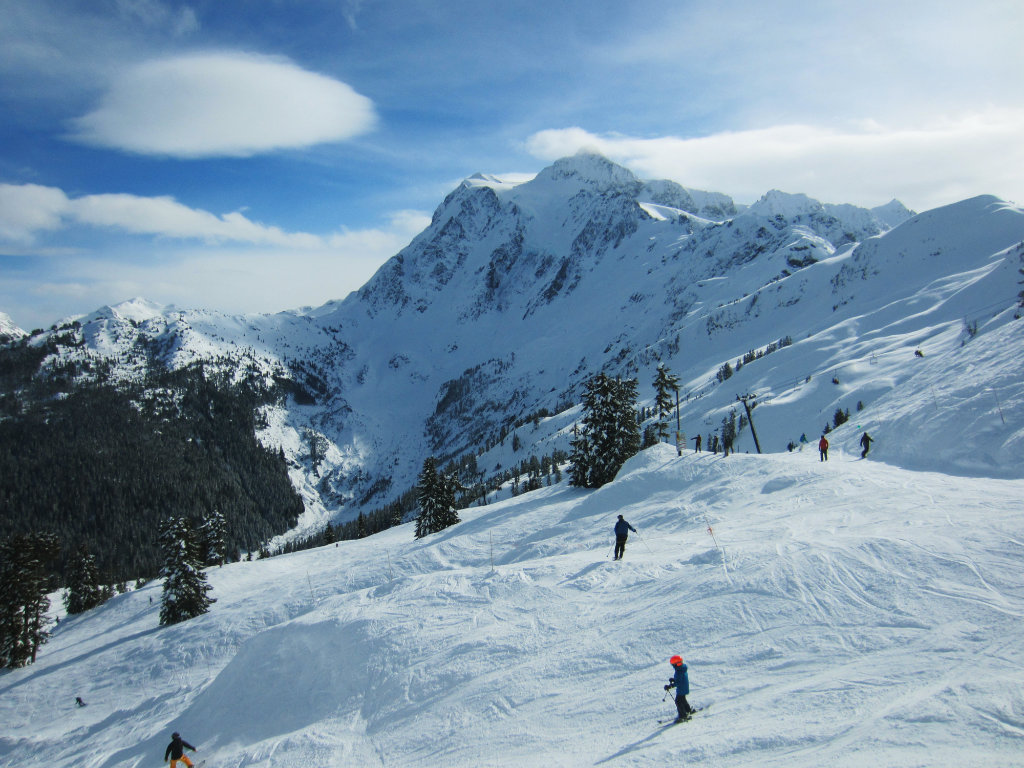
[675,661]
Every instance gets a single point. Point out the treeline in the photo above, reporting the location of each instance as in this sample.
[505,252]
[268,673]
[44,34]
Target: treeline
[28,576]
[530,474]
[727,370]
[102,465]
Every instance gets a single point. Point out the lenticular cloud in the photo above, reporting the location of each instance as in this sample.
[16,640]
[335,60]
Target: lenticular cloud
[216,104]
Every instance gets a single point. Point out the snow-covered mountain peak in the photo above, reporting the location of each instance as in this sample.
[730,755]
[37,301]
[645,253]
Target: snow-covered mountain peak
[139,310]
[519,291]
[9,329]
[893,213]
[776,203]
[587,169]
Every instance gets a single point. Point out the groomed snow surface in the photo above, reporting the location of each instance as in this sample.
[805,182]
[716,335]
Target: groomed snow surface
[847,613]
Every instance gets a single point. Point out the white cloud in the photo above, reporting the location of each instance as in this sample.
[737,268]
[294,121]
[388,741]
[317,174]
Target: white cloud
[223,104]
[867,164]
[166,217]
[241,266]
[28,209]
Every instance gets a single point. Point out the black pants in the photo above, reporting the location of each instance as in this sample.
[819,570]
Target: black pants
[682,706]
[620,547]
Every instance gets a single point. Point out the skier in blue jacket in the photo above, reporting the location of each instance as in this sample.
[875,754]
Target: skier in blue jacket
[681,682]
[622,529]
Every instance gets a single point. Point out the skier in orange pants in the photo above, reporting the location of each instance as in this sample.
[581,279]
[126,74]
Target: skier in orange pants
[176,750]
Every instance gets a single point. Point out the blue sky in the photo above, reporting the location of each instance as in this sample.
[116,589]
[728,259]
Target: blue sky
[260,155]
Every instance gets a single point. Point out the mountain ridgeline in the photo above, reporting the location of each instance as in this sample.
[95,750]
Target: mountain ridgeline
[478,338]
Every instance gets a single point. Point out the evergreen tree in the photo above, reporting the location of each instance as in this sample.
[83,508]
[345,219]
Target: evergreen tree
[185,587]
[728,432]
[609,433]
[449,486]
[84,591]
[665,387]
[435,496]
[426,496]
[650,435]
[213,545]
[25,562]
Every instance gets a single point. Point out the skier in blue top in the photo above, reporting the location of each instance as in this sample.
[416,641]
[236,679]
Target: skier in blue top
[622,529]
[681,682]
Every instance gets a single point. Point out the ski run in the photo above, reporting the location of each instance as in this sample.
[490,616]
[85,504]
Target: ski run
[841,613]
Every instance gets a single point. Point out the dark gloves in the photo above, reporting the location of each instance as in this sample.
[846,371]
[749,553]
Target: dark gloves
[670,686]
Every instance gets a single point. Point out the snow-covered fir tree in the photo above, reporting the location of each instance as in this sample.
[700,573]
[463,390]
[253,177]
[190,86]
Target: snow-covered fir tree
[666,390]
[435,495]
[213,538]
[25,569]
[185,587]
[84,590]
[609,433]
[729,431]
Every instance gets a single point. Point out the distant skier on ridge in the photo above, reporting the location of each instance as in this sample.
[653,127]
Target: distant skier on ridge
[622,529]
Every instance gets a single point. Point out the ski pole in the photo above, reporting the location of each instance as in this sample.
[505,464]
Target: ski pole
[645,542]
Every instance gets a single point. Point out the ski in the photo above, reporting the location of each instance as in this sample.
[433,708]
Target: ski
[674,721]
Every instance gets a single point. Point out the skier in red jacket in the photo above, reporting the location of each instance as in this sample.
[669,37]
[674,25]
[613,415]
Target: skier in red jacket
[823,449]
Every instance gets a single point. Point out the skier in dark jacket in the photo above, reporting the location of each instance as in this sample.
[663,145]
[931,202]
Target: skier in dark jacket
[681,682]
[866,441]
[622,529]
[176,750]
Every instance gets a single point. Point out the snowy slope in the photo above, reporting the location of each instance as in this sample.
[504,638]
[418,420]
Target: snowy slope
[846,613]
[849,613]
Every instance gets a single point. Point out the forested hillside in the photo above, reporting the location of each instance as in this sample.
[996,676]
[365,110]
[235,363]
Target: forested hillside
[102,464]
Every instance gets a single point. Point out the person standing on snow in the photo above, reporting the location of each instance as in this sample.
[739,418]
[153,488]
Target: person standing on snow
[823,449]
[176,750]
[866,440]
[681,682]
[622,529]
[697,441]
